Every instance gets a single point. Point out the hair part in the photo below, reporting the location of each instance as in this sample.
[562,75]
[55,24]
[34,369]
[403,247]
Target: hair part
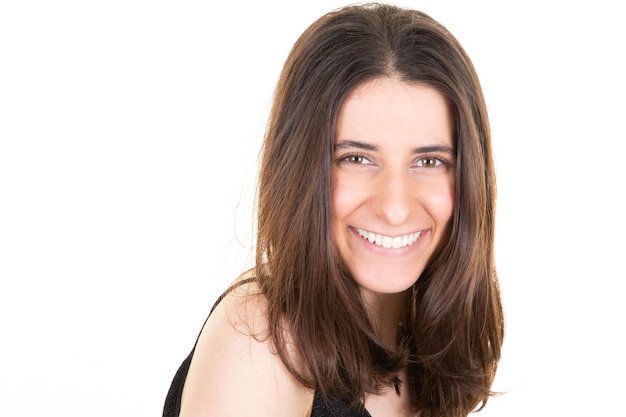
[454,320]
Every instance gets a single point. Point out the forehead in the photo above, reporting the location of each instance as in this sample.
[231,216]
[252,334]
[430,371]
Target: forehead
[387,108]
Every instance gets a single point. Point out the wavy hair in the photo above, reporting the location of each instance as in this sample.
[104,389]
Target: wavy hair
[453,323]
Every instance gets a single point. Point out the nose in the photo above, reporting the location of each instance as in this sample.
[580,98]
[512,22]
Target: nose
[392,197]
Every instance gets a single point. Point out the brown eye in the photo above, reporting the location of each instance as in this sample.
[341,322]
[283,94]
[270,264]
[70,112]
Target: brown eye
[357,159]
[428,162]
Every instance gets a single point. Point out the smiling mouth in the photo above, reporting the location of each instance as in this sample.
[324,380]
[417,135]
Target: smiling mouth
[389,242]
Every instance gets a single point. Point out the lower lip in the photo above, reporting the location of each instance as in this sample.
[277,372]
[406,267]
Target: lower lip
[376,249]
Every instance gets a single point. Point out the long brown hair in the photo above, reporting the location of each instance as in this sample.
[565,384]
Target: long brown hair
[453,324]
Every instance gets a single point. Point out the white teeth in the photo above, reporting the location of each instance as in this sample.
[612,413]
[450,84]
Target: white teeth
[389,242]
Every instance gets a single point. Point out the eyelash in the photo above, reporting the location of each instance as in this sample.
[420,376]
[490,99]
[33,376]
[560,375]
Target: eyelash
[438,160]
[354,158]
[350,158]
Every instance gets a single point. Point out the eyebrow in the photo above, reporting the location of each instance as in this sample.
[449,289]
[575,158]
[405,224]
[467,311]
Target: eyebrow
[343,144]
[418,150]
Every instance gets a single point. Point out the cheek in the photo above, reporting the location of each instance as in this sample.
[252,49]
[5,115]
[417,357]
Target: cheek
[338,206]
[446,203]
[345,196]
[439,201]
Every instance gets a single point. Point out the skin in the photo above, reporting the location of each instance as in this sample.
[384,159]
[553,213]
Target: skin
[233,374]
[393,175]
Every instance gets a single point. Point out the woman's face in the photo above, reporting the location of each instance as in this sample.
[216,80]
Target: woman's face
[393,182]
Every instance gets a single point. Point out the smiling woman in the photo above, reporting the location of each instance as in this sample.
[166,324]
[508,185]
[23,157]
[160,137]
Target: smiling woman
[374,291]
[394,185]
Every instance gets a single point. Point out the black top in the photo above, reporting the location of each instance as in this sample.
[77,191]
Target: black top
[335,408]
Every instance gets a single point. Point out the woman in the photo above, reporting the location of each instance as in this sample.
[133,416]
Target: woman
[374,290]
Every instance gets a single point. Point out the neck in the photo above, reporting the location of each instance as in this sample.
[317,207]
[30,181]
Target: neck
[385,312]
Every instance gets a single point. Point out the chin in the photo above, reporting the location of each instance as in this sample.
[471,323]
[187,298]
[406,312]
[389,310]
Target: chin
[389,284]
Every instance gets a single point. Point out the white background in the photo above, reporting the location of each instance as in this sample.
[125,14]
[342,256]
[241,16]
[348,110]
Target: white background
[129,132]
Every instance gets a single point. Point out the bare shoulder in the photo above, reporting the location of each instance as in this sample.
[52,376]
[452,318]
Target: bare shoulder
[234,370]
